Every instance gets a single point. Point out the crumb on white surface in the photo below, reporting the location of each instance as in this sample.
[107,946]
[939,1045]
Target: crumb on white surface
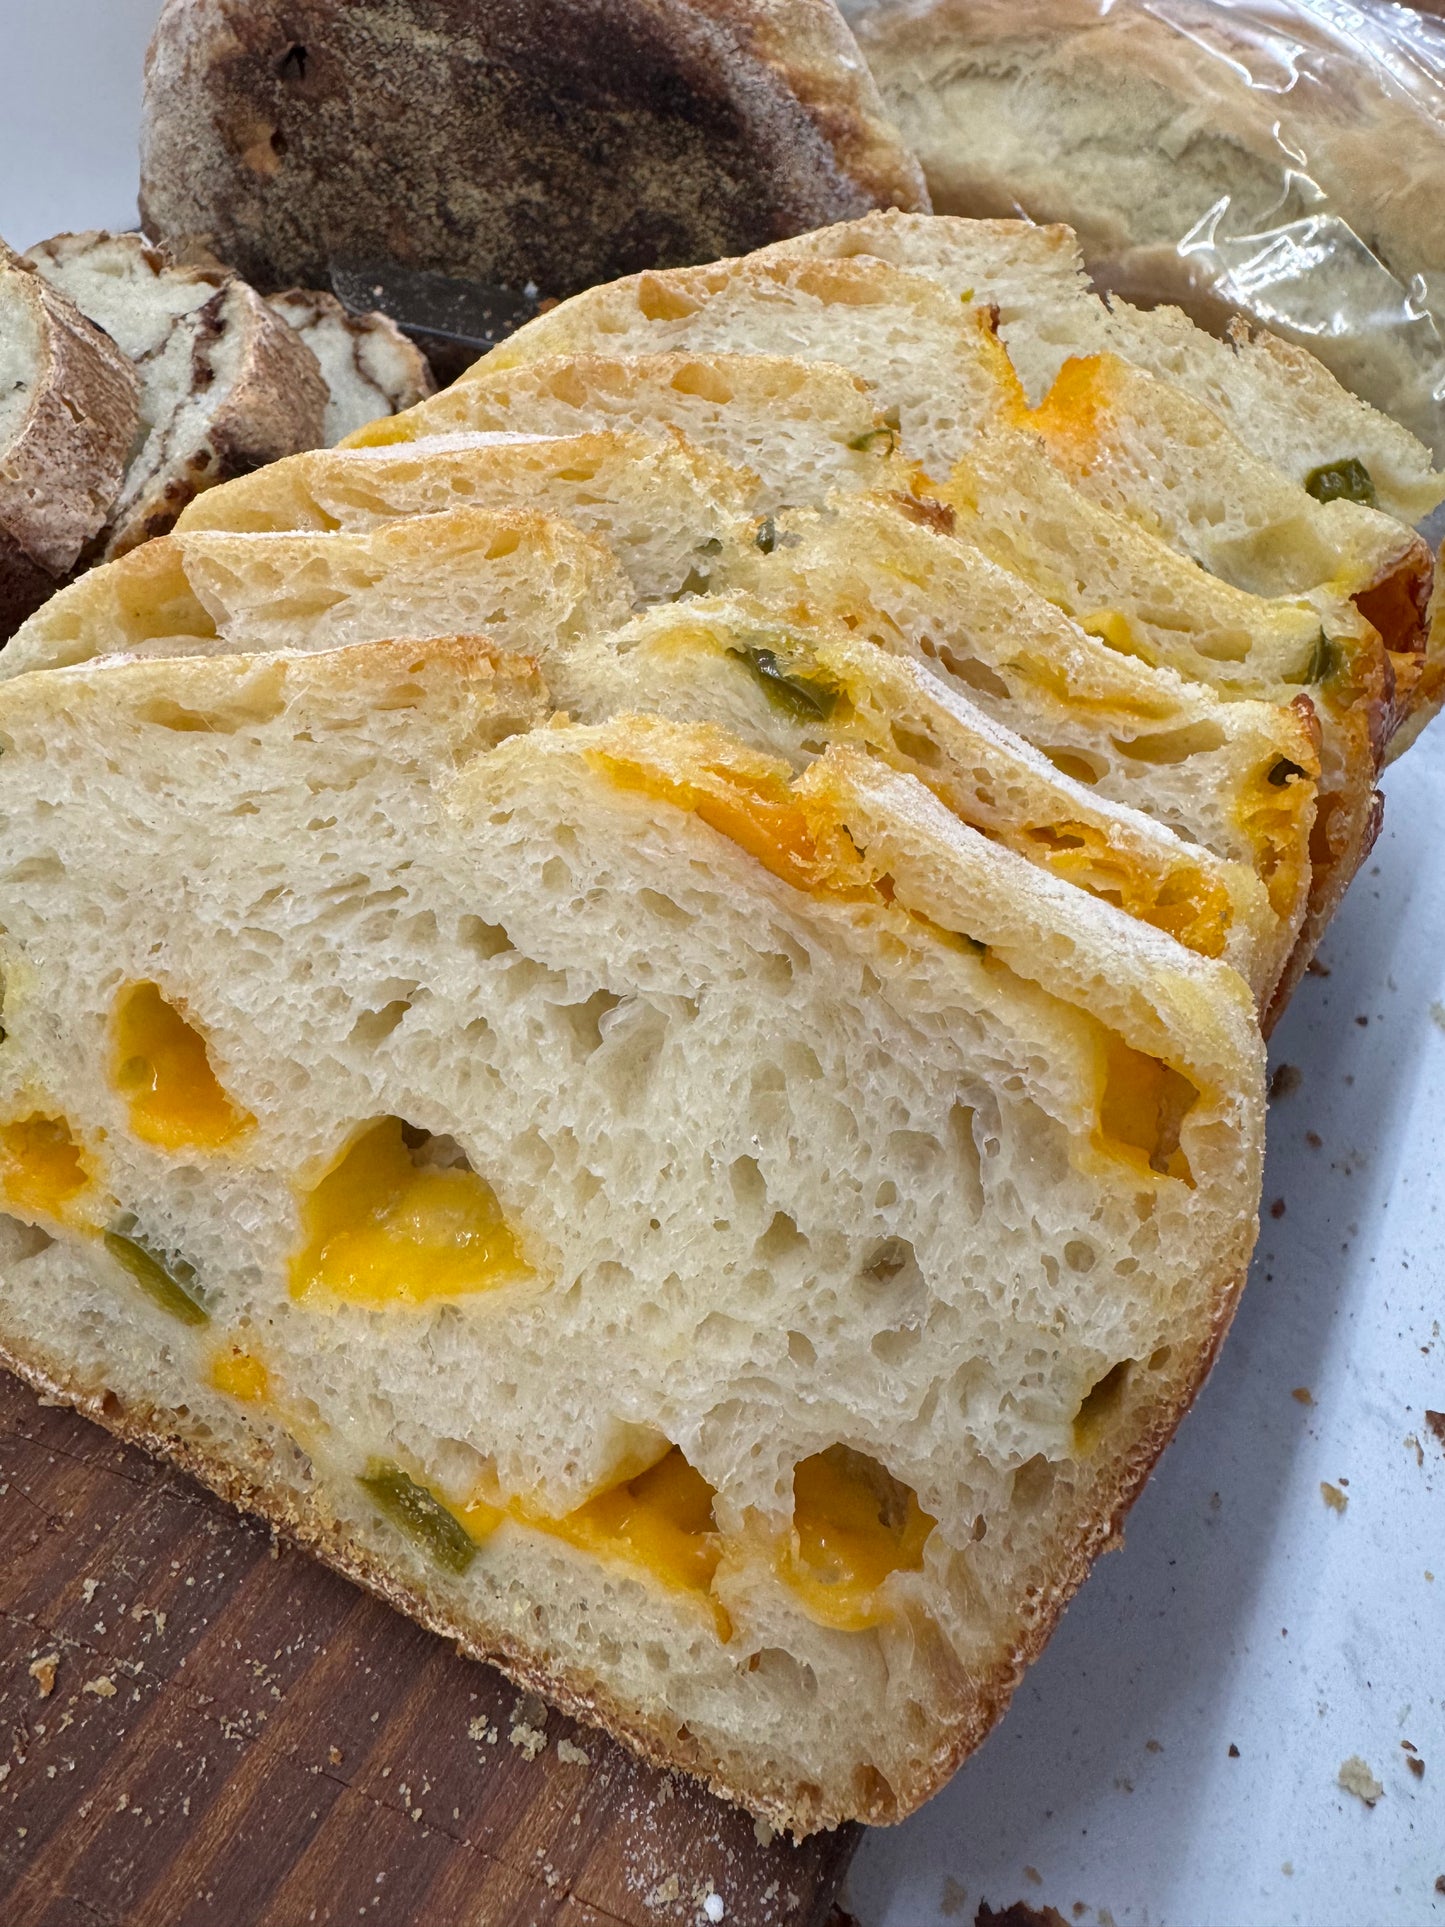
[1355,1777]
[1332,1496]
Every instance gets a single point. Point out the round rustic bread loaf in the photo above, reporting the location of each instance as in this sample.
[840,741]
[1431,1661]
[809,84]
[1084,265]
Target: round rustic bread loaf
[561,142]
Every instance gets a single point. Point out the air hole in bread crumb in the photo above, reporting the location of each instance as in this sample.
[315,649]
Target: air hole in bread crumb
[585,1021]
[1079,1255]
[486,939]
[801,1350]
[664,908]
[372,1027]
[1099,1406]
[919,748]
[1033,1484]
[1172,745]
[1073,763]
[21,1241]
[892,1262]
[749,1186]
[895,1348]
[782,1239]
[1160,1359]
[973,675]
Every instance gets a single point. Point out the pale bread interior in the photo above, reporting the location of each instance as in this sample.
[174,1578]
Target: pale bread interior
[791,1167]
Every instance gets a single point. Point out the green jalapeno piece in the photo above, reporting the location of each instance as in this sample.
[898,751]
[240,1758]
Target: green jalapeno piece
[1344,481]
[805,702]
[420,1515]
[156,1281]
[1321,663]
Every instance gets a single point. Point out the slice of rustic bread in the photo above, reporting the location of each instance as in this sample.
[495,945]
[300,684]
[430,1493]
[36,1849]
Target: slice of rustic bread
[226,385]
[1281,402]
[760,1228]
[369,367]
[661,505]
[68,413]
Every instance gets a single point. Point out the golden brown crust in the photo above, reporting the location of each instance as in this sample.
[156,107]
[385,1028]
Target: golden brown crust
[604,137]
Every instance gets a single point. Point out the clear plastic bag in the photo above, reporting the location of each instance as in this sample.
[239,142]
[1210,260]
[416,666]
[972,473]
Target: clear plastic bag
[1284,159]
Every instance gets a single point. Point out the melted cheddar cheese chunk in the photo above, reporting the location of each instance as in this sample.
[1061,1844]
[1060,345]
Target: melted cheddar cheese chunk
[1142,1105]
[42,1168]
[661,1520]
[162,1069]
[854,1525]
[382,1230]
[240,1375]
[758,813]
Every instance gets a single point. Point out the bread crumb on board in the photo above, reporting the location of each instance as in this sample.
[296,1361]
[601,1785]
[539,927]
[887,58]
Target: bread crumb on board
[43,1672]
[570,1754]
[103,1686]
[1355,1777]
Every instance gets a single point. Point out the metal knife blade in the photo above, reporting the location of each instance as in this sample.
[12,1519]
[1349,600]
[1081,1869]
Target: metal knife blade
[452,321]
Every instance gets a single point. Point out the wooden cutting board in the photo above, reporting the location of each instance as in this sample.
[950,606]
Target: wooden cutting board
[201,1728]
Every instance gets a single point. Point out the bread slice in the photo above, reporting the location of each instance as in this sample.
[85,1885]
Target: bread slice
[1143,447]
[557,143]
[1129,588]
[534,582]
[934,364]
[225,384]
[1225,159]
[1237,777]
[1278,399]
[802,428]
[660,505]
[793,692]
[858,1206]
[68,412]
[369,367]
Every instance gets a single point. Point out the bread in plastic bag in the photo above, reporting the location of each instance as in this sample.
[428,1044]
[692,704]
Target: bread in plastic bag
[1283,159]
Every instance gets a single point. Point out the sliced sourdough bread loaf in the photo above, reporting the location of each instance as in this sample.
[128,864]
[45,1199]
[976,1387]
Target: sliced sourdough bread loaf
[758,1227]
[1237,777]
[225,384]
[69,405]
[793,692]
[934,364]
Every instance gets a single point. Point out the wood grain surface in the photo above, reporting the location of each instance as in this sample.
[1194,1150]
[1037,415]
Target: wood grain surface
[201,1728]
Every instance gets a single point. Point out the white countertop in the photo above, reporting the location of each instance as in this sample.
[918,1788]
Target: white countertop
[1243,1612]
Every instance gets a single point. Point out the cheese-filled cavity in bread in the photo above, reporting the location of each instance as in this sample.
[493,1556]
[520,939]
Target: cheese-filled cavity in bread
[726,1243]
